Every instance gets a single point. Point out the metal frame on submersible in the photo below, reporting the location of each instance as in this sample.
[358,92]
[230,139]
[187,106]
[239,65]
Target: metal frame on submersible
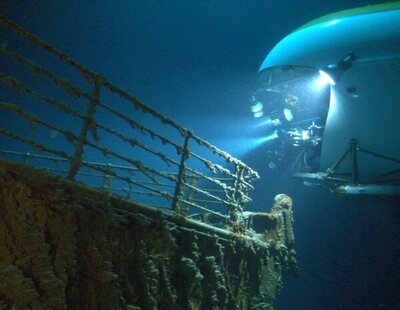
[352,185]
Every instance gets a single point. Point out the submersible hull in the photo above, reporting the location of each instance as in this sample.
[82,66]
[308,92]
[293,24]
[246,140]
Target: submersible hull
[364,105]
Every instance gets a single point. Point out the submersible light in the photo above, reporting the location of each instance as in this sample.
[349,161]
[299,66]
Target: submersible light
[256,107]
[281,117]
[332,73]
[326,78]
[288,114]
[258,114]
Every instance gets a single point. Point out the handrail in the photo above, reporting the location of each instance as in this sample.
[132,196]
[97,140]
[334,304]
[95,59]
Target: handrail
[189,179]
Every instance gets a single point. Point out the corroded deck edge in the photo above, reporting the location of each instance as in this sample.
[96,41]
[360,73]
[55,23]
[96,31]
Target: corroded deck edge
[63,244]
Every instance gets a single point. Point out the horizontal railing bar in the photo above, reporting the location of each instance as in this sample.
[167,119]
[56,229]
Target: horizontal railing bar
[102,176]
[135,125]
[157,207]
[133,191]
[158,183]
[126,190]
[86,73]
[130,181]
[190,203]
[212,167]
[204,192]
[168,161]
[97,176]
[214,180]
[207,201]
[229,158]
[33,119]
[90,76]
[51,158]
[112,166]
[213,190]
[77,91]
[165,140]
[69,88]
[159,154]
[208,194]
[184,132]
[13,82]
[141,106]
[231,196]
[143,169]
[222,179]
[33,143]
[142,182]
[153,191]
[74,91]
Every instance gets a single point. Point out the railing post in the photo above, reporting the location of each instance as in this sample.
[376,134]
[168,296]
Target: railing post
[128,191]
[354,162]
[191,192]
[26,158]
[181,177]
[107,181]
[76,161]
[235,211]
[238,185]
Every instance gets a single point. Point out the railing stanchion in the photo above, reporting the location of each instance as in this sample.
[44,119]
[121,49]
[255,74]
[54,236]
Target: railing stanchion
[201,182]
[76,161]
[181,177]
[236,208]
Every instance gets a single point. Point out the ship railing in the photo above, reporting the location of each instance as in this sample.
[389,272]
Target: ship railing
[58,115]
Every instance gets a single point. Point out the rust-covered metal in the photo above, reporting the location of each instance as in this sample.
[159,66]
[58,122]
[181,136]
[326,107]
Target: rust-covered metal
[65,245]
[221,180]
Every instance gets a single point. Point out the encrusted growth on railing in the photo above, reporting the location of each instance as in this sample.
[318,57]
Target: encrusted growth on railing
[88,121]
[132,154]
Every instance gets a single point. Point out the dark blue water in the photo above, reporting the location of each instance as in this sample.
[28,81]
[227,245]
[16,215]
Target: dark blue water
[197,61]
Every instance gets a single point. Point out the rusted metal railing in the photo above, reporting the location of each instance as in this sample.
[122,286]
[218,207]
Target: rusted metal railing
[133,155]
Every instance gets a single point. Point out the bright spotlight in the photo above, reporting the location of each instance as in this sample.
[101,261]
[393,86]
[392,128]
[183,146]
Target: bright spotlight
[325,78]
[288,114]
[258,114]
[276,122]
[281,117]
[257,107]
[305,135]
[332,73]
[266,123]
[271,137]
